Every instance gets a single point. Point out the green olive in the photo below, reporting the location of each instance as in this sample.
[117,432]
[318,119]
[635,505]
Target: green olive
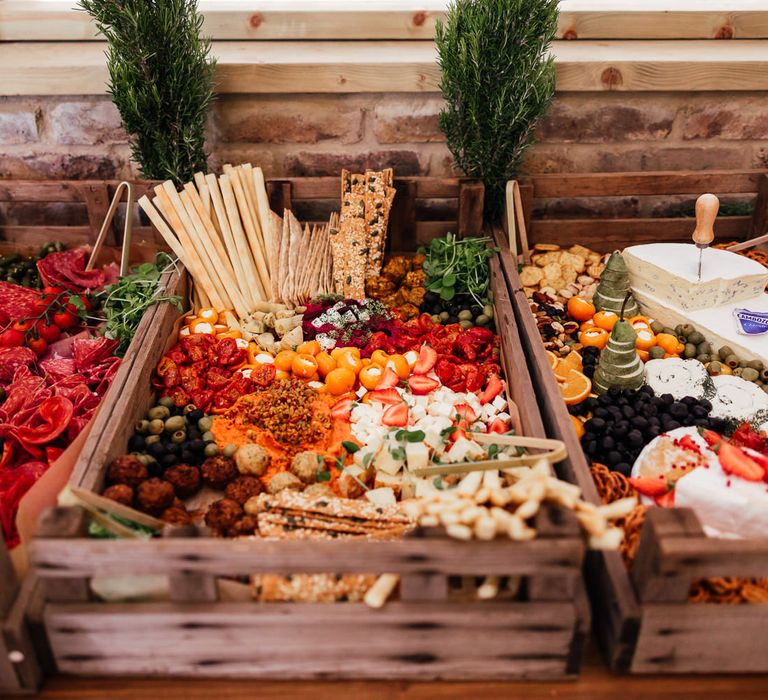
[704,358]
[714,368]
[690,351]
[750,374]
[696,338]
[211,449]
[167,401]
[156,426]
[142,426]
[679,329]
[657,327]
[189,408]
[161,412]
[737,371]
[756,364]
[151,440]
[656,353]
[229,450]
[435,318]
[142,458]
[705,348]
[732,361]
[179,436]
[488,310]
[465,315]
[175,423]
[725,352]
[208,437]
[466,324]
[669,331]
[205,424]
[482,320]
[688,329]
[444,315]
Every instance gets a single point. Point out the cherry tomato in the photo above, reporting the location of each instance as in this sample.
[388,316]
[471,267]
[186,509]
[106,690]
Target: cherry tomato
[87,303]
[42,303]
[38,346]
[71,307]
[12,338]
[53,291]
[49,332]
[64,320]
[23,326]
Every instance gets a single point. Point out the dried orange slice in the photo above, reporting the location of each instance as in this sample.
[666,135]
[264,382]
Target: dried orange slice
[571,361]
[575,388]
[578,426]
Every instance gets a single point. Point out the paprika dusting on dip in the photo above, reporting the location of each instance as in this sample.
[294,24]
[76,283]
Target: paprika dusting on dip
[286,418]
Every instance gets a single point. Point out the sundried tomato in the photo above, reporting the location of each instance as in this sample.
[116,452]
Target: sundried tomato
[225,353]
[168,372]
[202,399]
[179,396]
[473,378]
[263,375]
[177,355]
[191,380]
[217,378]
[196,346]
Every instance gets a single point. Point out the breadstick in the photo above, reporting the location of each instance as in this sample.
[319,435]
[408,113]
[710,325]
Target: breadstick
[285,258]
[262,202]
[245,173]
[275,234]
[378,593]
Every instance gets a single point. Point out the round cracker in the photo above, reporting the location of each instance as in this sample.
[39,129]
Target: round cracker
[531,276]
[552,271]
[546,247]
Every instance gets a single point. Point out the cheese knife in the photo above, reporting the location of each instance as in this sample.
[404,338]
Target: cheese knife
[703,235]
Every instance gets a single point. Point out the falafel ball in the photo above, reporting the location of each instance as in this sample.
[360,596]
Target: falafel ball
[284,480]
[218,471]
[242,488]
[252,459]
[306,464]
[126,470]
[176,516]
[121,493]
[222,515]
[245,526]
[154,495]
[319,489]
[185,479]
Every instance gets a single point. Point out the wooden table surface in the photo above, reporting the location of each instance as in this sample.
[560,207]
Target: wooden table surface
[596,683]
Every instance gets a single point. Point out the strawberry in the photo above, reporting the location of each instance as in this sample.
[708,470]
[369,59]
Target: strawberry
[465,414]
[650,486]
[342,409]
[739,463]
[389,379]
[426,361]
[762,460]
[458,433]
[498,426]
[396,415]
[492,390]
[711,437]
[385,396]
[421,386]
[667,500]
[688,443]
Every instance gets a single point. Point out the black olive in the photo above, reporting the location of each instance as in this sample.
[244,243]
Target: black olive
[168,460]
[614,392]
[623,468]
[635,438]
[671,425]
[194,416]
[608,443]
[639,422]
[667,399]
[155,469]
[187,456]
[689,401]
[590,447]
[194,433]
[647,390]
[595,425]
[136,443]
[701,422]
[628,411]
[600,412]
[157,450]
[589,372]
[653,432]
[706,404]
[453,319]
[678,410]
[196,446]
[613,457]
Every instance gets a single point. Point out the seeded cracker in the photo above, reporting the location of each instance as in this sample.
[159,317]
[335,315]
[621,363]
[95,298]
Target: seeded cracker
[353,236]
[378,201]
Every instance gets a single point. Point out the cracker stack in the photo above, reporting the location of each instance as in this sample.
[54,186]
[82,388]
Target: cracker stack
[358,243]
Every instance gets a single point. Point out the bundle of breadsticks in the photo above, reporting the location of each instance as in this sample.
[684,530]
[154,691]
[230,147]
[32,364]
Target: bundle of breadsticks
[240,254]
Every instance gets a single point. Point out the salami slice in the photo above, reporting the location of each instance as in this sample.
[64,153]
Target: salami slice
[17,302]
[13,358]
[67,269]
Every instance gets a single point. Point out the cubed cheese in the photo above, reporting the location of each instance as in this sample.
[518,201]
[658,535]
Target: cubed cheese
[386,462]
[389,481]
[465,449]
[350,481]
[500,403]
[417,455]
[381,497]
[365,456]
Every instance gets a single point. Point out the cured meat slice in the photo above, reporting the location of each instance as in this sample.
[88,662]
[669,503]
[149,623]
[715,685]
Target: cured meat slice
[17,302]
[13,358]
[67,269]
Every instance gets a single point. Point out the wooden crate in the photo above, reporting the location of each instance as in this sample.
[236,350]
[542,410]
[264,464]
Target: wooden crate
[19,599]
[426,634]
[643,619]
[606,234]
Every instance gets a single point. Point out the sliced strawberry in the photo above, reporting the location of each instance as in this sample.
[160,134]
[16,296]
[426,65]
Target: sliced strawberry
[739,463]
[421,386]
[650,486]
[456,434]
[666,500]
[492,390]
[385,396]
[389,379]
[688,443]
[342,409]
[426,361]
[762,460]
[711,437]
[465,413]
[396,415]
[498,426]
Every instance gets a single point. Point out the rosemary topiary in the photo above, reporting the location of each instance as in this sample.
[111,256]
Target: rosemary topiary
[161,80]
[497,80]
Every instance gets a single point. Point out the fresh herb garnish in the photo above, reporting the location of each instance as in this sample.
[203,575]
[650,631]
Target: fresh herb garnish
[323,476]
[350,447]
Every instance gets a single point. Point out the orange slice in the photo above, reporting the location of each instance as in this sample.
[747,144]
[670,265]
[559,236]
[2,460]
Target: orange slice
[575,388]
[578,426]
[571,361]
[551,357]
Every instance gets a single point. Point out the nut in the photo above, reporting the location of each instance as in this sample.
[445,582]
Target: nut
[570,327]
[585,279]
[558,326]
[566,293]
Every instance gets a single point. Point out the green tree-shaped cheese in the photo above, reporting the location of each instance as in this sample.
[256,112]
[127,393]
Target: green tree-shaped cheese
[619,365]
[613,288]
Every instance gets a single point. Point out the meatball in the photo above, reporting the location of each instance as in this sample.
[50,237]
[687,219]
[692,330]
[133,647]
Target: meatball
[122,493]
[396,268]
[252,459]
[184,478]
[319,489]
[377,287]
[306,464]
[418,260]
[414,296]
[222,515]
[218,471]
[415,279]
[176,516]
[245,526]
[126,470]
[284,480]
[242,488]
[154,495]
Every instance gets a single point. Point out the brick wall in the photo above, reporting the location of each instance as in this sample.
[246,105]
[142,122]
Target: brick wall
[78,137]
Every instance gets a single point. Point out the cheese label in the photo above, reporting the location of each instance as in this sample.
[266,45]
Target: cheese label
[751,322]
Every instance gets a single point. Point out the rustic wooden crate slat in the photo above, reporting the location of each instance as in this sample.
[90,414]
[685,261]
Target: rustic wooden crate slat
[643,618]
[414,633]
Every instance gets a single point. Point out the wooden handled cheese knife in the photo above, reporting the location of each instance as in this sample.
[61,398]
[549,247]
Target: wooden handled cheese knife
[703,235]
